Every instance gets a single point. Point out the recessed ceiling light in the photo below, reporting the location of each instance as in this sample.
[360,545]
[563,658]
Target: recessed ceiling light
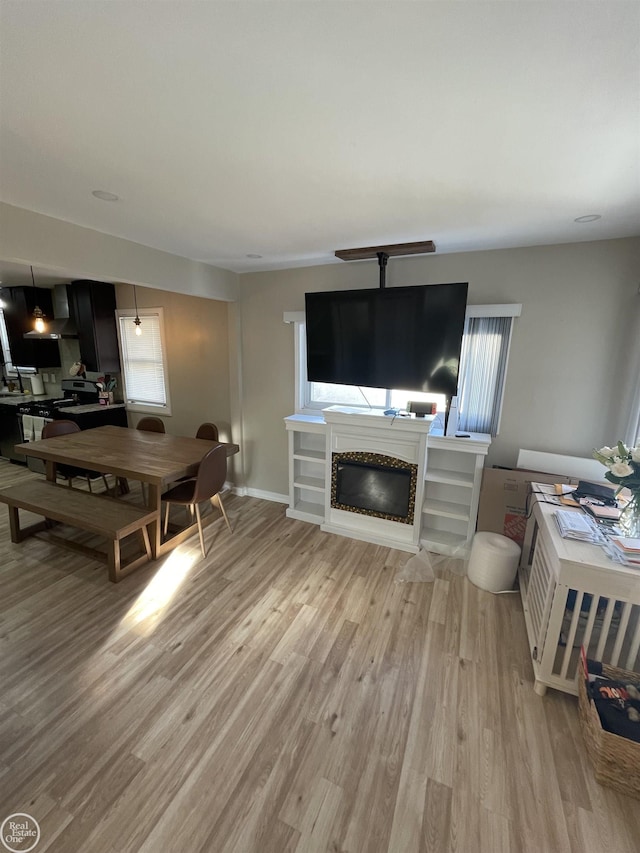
[103,195]
[254,256]
[591,217]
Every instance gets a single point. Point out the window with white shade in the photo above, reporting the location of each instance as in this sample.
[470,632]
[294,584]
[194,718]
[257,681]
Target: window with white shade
[144,368]
[628,382]
[483,370]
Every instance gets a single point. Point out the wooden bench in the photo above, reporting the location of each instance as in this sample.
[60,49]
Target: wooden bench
[103,516]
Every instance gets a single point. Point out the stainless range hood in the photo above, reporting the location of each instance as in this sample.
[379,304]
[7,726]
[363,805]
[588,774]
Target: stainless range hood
[61,326]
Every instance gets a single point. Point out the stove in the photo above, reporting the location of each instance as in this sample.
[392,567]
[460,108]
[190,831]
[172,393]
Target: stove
[79,392]
[76,392]
[46,409]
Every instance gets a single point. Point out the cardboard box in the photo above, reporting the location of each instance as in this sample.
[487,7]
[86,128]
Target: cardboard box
[503,499]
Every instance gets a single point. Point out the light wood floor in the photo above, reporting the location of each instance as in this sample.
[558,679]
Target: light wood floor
[284,694]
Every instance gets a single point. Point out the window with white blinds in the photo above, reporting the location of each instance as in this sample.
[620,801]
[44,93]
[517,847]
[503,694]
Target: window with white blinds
[144,360]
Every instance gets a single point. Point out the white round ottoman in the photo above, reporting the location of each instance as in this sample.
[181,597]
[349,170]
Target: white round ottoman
[493,562]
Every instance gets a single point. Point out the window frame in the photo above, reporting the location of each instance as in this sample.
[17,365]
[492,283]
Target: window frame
[130,314]
[5,347]
[302,384]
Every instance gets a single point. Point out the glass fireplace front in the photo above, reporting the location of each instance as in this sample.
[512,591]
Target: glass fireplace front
[373,484]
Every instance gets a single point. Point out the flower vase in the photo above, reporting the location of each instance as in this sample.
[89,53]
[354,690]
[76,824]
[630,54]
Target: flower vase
[630,518]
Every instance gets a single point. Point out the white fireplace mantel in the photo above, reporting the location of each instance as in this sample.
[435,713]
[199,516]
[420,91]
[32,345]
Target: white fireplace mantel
[447,488]
[377,420]
[373,432]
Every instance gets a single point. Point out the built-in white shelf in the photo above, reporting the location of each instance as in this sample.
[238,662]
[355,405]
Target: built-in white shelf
[307,462]
[443,542]
[446,509]
[451,478]
[315,484]
[310,455]
[306,511]
[452,491]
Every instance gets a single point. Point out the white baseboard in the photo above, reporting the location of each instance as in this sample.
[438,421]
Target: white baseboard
[243,491]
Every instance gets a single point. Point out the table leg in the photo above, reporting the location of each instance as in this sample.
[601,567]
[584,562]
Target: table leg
[154,502]
[51,469]
[14,524]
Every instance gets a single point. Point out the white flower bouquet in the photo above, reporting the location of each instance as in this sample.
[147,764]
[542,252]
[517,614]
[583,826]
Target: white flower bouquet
[624,471]
[624,465]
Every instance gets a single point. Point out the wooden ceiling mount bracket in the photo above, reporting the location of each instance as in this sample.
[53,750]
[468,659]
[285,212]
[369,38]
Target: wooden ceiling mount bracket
[383,253]
[422,247]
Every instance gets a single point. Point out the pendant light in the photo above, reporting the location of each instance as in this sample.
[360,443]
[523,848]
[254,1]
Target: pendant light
[137,322]
[38,313]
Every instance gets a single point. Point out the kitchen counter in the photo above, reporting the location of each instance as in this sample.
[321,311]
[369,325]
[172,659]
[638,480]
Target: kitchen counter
[90,407]
[11,399]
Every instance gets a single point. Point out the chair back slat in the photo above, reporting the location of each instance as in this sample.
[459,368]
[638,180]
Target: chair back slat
[53,428]
[207,431]
[150,425]
[211,474]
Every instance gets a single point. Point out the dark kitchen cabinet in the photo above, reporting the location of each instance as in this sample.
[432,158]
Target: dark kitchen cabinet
[18,316]
[92,306]
[10,432]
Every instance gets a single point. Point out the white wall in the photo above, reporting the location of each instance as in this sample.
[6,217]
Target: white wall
[31,238]
[568,350]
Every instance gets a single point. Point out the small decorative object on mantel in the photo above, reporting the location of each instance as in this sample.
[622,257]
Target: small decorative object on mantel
[624,471]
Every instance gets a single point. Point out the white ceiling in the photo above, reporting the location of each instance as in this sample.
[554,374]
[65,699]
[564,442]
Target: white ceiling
[292,129]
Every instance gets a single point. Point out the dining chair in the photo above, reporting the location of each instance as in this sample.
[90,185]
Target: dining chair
[205,486]
[207,431]
[70,472]
[150,425]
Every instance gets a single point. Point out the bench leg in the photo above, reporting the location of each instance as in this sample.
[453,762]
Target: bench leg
[154,502]
[113,554]
[117,571]
[145,542]
[14,524]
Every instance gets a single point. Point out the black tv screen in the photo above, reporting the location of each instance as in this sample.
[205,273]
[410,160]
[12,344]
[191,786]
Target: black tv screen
[398,337]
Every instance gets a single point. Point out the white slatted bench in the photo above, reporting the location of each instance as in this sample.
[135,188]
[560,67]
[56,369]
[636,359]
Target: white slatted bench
[104,516]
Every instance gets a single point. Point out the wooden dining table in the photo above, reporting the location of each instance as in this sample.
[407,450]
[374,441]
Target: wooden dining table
[157,459]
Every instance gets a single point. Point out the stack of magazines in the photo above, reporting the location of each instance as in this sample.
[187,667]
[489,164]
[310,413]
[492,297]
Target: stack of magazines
[576,525]
[625,551]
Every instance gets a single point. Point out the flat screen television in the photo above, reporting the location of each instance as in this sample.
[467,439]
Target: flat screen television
[398,337]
